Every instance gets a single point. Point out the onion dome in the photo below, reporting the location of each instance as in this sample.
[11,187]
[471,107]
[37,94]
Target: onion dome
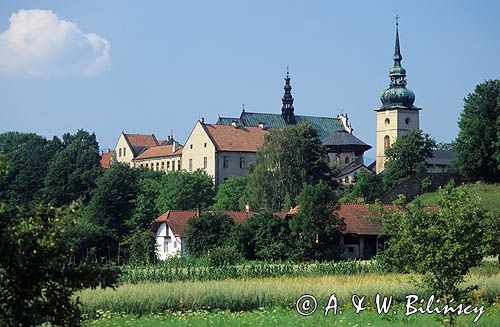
[397,95]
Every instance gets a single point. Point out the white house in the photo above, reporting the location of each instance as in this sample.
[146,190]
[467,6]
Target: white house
[170,229]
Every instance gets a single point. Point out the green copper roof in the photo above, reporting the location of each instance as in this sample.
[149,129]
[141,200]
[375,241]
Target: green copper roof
[270,120]
[397,96]
[227,120]
[324,125]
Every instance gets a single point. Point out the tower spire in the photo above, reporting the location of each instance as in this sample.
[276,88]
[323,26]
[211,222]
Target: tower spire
[397,50]
[287,100]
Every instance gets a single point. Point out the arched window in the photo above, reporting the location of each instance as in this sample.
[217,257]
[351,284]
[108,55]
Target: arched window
[387,142]
[346,160]
[407,120]
[387,121]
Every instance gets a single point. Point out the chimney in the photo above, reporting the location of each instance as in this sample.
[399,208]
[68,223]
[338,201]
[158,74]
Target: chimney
[174,146]
[202,120]
[262,125]
[247,207]
[234,124]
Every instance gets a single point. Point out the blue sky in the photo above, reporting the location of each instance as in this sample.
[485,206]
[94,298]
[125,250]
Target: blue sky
[153,66]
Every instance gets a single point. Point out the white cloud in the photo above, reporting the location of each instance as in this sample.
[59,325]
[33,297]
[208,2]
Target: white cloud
[37,42]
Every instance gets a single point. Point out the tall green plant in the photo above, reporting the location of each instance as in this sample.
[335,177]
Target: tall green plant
[37,274]
[290,157]
[442,244]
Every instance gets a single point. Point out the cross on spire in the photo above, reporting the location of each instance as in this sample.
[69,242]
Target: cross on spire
[397,19]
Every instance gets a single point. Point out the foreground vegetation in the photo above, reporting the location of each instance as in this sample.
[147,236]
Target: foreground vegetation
[269,293]
[183,270]
[283,317]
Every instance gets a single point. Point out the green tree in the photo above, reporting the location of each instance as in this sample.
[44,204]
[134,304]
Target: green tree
[141,246]
[368,188]
[290,157]
[231,194]
[112,201]
[316,228]
[407,156]
[207,232]
[37,277]
[182,190]
[144,210]
[28,156]
[477,146]
[268,237]
[442,245]
[73,171]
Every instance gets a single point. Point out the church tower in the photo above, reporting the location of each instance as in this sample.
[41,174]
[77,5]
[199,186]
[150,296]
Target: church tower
[287,108]
[397,116]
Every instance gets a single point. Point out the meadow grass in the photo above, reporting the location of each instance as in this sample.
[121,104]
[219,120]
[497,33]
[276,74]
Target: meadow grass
[269,293]
[283,317]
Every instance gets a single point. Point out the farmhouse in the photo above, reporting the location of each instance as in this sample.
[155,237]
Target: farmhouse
[359,238]
[170,230]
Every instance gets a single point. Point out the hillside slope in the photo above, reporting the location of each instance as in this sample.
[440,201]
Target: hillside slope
[489,195]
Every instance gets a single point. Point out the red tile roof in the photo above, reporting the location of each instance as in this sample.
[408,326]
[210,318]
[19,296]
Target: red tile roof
[359,218]
[159,151]
[177,220]
[356,218]
[141,140]
[106,159]
[236,139]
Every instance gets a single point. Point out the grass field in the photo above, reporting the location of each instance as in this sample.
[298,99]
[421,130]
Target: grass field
[489,195]
[268,293]
[280,317]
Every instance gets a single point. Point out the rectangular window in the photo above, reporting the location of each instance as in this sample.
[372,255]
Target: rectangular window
[157,166]
[119,152]
[124,152]
[163,165]
[242,162]
[190,146]
[178,165]
[205,164]
[175,244]
[142,165]
[146,165]
[225,163]
[205,145]
[190,164]
[165,246]
[173,165]
[168,165]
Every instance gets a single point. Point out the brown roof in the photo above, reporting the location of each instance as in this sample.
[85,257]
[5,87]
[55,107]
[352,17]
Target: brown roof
[236,139]
[159,151]
[106,159]
[177,220]
[139,142]
[358,218]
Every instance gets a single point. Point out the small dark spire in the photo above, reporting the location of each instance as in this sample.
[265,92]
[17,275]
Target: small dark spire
[397,50]
[287,108]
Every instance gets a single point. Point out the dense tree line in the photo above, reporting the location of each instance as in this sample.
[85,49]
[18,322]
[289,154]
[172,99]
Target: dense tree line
[312,233]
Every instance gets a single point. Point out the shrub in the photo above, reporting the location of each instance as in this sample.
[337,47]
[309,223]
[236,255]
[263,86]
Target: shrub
[223,256]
